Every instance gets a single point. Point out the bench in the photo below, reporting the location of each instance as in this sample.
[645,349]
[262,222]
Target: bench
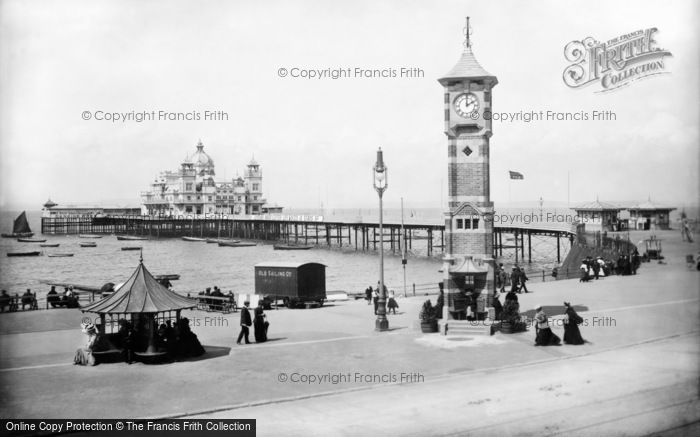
[14,303]
[216,303]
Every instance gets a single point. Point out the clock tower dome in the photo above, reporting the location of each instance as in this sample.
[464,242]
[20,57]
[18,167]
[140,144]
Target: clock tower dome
[469,270]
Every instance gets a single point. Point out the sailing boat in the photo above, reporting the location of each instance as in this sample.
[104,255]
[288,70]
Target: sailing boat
[21,228]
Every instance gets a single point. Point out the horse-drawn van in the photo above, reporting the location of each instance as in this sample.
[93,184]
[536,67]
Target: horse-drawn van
[296,284]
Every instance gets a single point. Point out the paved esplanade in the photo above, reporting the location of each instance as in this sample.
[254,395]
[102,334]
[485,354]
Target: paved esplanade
[639,373]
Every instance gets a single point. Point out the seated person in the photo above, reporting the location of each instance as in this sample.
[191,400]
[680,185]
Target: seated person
[29,299]
[14,302]
[83,355]
[124,340]
[188,344]
[5,300]
[52,297]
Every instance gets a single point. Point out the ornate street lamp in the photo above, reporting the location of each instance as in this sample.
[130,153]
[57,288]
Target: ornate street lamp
[380,184]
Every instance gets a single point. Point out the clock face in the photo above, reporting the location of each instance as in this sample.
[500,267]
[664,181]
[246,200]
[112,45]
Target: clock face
[466,104]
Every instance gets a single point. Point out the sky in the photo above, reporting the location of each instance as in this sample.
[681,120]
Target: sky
[316,139]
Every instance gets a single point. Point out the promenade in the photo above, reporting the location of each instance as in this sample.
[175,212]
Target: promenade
[637,375]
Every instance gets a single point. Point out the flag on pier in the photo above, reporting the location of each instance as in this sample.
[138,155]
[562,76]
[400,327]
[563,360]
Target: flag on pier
[516,175]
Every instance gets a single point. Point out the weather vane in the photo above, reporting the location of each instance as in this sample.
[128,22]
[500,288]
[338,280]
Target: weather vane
[467,31]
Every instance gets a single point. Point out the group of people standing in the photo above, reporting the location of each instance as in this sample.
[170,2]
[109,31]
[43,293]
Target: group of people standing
[598,268]
[517,279]
[372,296]
[259,323]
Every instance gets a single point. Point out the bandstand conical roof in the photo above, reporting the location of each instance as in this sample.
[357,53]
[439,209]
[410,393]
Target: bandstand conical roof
[141,293]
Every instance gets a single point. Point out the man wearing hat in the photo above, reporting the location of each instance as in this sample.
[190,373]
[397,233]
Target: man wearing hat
[245,323]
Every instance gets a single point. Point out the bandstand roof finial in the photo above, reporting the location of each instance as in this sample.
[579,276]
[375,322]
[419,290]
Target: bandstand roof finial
[467,32]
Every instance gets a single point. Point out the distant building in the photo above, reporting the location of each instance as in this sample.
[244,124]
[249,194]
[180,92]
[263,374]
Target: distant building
[52,209]
[603,216]
[192,190]
[648,215]
[598,216]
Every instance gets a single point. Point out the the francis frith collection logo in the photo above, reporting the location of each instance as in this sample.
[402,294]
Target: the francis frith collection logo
[615,63]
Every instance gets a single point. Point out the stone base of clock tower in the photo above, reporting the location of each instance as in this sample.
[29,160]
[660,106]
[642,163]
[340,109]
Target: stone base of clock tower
[469,287]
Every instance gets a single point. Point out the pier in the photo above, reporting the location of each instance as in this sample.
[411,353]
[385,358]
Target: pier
[427,238]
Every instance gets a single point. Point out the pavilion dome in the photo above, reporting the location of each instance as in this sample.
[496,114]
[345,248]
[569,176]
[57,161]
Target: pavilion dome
[200,158]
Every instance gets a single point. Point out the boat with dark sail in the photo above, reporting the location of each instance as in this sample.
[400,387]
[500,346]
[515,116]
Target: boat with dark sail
[23,253]
[20,228]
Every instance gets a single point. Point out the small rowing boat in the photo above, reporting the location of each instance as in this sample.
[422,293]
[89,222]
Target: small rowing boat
[50,245]
[221,240]
[292,246]
[193,239]
[236,244]
[89,236]
[23,253]
[31,240]
[88,244]
[130,238]
[59,255]
[170,277]
[131,248]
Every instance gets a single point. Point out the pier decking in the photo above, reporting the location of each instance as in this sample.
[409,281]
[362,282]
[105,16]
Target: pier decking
[358,235]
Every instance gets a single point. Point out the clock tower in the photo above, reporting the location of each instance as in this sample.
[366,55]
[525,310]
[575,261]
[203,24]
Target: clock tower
[469,267]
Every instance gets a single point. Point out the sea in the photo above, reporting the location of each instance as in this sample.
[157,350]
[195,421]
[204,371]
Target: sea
[202,265]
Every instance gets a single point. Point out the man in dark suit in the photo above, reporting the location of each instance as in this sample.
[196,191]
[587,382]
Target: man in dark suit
[245,323]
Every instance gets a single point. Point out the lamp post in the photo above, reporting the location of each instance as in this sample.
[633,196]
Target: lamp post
[380,184]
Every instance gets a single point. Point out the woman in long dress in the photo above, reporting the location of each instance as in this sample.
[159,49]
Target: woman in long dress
[572,335]
[83,355]
[391,304]
[498,308]
[544,336]
[260,325]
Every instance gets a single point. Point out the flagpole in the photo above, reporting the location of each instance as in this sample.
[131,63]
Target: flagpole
[403,247]
[510,200]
